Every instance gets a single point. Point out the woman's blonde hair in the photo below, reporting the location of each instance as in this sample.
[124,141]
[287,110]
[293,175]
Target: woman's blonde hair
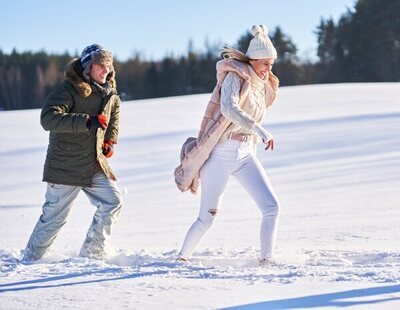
[232,53]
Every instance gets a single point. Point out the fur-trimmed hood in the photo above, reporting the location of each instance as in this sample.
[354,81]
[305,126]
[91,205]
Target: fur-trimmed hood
[74,75]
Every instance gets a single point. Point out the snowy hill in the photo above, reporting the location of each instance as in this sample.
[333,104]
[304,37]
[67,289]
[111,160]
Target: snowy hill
[335,168]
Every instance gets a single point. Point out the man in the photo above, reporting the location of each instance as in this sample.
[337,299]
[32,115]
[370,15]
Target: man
[82,116]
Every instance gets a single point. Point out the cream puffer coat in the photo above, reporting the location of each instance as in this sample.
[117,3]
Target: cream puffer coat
[195,151]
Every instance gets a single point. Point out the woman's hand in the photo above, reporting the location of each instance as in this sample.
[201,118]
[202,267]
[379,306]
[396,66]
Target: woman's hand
[266,136]
[269,144]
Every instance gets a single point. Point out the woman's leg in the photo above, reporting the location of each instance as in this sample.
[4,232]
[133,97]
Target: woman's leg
[254,179]
[213,176]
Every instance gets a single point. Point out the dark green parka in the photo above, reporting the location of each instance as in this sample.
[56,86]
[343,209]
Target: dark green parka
[74,150]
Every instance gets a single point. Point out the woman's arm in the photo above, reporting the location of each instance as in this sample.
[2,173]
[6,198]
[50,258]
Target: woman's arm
[230,91]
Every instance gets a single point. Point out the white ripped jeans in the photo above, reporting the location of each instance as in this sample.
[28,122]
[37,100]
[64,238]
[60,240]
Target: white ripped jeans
[238,159]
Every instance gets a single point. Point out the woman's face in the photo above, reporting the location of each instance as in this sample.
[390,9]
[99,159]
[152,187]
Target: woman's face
[262,66]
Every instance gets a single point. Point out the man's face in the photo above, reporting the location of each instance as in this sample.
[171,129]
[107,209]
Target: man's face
[99,72]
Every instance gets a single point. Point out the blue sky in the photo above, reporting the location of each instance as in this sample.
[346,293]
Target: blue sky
[155,28]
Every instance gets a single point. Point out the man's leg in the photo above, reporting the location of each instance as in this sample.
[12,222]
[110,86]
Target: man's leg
[55,211]
[106,196]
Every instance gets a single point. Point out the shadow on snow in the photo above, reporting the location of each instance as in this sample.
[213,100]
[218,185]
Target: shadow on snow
[337,299]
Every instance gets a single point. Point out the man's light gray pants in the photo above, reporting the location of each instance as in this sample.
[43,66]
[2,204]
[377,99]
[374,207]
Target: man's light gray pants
[104,195]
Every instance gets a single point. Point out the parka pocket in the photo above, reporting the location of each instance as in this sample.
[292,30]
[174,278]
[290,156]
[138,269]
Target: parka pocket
[53,193]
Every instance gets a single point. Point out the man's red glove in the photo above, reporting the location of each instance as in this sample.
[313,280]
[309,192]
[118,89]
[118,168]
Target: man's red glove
[108,148]
[97,121]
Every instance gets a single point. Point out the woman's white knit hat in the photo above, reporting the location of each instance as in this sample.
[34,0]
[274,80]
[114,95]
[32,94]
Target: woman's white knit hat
[260,46]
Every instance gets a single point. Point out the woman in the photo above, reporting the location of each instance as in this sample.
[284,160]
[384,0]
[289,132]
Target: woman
[246,87]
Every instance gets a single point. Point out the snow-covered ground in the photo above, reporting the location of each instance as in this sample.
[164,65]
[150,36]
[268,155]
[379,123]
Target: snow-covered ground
[335,168]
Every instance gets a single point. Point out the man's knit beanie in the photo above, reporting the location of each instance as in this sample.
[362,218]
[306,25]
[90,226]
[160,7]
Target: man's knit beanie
[94,54]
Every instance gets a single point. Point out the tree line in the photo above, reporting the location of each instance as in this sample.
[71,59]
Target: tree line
[363,46]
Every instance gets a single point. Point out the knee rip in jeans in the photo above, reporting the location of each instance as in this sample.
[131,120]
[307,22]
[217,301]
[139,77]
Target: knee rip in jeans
[271,211]
[213,212]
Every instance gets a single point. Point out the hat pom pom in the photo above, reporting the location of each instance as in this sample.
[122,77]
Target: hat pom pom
[257,30]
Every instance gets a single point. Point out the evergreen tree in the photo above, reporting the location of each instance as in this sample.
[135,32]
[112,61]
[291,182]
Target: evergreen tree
[365,44]
[327,51]
[244,41]
[285,65]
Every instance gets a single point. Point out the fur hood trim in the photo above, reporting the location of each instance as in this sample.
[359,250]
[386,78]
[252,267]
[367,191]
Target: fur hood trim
[74,75]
